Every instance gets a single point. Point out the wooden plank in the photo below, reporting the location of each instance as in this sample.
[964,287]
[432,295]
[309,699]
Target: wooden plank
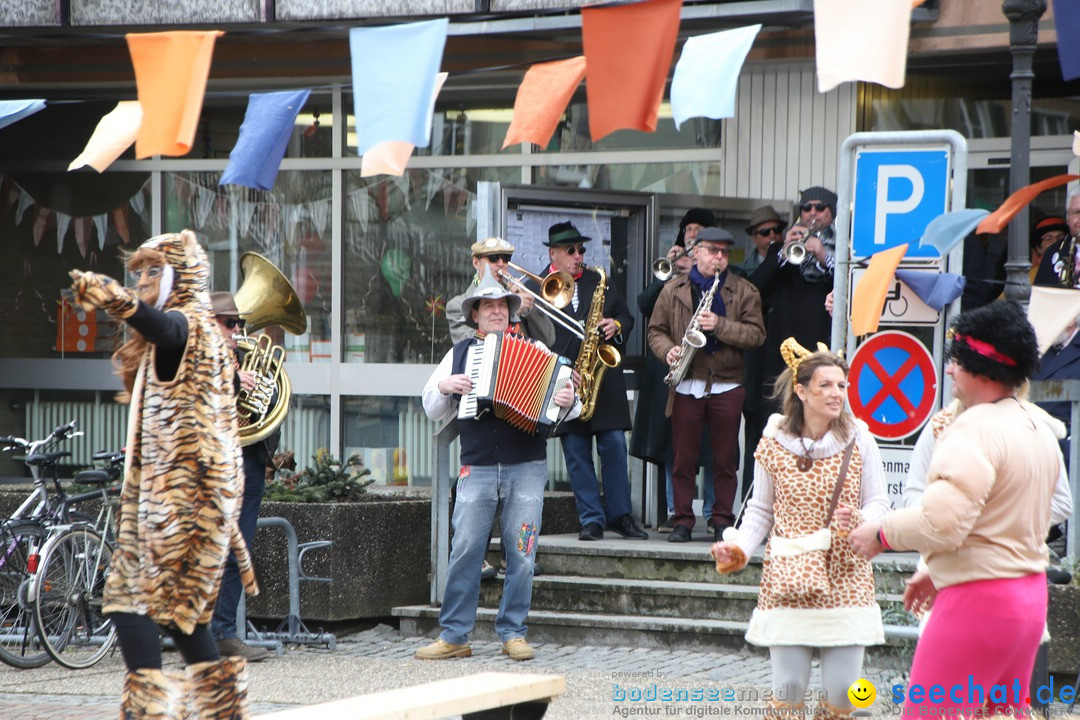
[442,698]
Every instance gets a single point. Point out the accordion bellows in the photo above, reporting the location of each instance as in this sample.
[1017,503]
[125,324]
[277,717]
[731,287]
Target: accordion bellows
[517,379]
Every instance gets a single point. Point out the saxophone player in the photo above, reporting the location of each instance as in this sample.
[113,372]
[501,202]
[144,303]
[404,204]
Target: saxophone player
[1060,263]
[611,417]
[710,391]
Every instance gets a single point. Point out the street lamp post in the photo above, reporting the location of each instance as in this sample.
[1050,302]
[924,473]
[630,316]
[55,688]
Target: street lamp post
[1023,18]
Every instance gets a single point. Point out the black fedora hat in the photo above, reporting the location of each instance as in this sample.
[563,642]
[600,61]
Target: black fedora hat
[564,234]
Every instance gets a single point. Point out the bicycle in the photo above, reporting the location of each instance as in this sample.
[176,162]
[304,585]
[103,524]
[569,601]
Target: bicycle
[67,592]
[21,538]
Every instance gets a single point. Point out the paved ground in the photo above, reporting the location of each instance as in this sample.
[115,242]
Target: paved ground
[381,658]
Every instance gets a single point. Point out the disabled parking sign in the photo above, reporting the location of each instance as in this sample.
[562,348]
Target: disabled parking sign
[892,384]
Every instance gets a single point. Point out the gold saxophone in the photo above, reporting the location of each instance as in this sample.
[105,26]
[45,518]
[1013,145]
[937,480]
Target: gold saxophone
[1067,273]
[594,357]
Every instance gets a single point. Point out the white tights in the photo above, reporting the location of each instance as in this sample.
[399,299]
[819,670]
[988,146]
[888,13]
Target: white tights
[840,667]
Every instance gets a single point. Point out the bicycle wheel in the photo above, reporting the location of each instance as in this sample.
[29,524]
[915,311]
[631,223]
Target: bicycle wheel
[19,544]
[67,607]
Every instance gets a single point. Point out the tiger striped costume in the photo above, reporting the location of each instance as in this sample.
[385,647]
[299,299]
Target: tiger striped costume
[183,478]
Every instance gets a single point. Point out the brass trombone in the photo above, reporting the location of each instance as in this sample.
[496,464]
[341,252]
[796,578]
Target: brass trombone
[556,292]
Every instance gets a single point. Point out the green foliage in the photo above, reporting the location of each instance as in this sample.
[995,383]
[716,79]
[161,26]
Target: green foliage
[327,480]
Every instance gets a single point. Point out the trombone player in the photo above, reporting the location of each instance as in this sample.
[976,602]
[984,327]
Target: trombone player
[491,256]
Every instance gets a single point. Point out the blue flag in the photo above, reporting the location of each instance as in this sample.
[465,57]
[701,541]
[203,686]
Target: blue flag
[1067,24]
[12,111]
[394,70]
[945,231]
[935,289]
[264,135]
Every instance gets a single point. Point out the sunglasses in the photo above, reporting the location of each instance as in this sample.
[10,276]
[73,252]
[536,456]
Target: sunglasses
[816,206]
[233,323]
[766,232]
[575,250]
[498,257]
[714,249]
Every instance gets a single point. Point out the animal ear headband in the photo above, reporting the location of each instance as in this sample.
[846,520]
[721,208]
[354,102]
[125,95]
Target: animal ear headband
[794,353]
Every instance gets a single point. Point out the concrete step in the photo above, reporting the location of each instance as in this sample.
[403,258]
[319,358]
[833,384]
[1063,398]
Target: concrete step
[657,560]
[661,633]
[619,596]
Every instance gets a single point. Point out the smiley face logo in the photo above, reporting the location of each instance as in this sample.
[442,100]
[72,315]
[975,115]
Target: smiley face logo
[862,693]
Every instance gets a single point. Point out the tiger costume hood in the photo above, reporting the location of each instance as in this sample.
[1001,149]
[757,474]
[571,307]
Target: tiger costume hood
[183,479]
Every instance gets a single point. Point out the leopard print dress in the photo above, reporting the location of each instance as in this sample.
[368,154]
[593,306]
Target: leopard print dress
[183,478]
[848,614]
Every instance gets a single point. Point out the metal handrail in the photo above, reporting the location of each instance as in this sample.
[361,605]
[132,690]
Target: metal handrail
[441,476]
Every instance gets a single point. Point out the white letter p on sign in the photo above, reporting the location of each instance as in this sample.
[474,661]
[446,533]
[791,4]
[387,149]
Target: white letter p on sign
[886,207]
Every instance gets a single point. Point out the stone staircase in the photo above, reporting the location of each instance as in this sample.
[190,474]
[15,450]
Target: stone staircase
[655,594]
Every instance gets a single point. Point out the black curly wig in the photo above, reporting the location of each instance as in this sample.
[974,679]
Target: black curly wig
[995,341]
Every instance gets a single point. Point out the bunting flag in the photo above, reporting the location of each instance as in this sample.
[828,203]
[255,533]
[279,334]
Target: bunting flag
[391,157]
[12,111]
[859,40]
[114,134]
[707,74]
[628,51]
[391,100]
[1067,25]
[541,99]
[996,221]
[945,231]
[264,135]
[1050,310]
[869,296]
[171,70]
[1076,142]
[935,289]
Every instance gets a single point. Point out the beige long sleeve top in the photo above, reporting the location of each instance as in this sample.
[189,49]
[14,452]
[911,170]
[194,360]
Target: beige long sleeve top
[986,509]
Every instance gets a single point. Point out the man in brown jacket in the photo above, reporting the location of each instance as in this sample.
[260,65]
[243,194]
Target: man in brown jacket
[709,391]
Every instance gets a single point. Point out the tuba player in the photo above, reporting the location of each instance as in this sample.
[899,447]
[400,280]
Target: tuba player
[258,456]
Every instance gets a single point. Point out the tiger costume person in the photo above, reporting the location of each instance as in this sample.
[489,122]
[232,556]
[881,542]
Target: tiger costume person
[182,482]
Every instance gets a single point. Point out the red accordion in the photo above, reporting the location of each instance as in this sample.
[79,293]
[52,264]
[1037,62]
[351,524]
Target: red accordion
[516,378]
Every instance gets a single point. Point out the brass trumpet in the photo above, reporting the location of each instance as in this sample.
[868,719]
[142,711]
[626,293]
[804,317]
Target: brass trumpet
[663,269]
[796,252]
[556,292]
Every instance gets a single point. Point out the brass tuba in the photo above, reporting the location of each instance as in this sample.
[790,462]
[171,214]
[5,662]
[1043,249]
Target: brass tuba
[265,298]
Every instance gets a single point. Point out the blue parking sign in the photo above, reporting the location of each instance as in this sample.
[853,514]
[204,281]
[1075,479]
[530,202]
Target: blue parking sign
[897,193]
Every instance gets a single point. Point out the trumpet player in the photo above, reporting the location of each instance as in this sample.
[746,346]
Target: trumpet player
[793,301]
[710,391]
[492,256]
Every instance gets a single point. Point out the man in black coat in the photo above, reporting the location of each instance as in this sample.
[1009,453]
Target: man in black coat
[611,419]
[793,298]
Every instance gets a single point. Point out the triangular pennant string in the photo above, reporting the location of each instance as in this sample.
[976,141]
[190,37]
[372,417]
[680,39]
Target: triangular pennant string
[101,224]
[63,221]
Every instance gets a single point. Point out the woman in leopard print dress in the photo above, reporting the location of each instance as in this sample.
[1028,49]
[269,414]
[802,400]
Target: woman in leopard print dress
[798,461]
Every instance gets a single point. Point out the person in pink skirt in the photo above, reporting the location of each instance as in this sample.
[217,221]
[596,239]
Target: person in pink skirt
[981,527]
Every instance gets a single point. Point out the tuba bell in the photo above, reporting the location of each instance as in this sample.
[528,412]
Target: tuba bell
[265,298]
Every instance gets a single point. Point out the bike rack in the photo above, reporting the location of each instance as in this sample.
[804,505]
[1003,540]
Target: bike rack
[292,628]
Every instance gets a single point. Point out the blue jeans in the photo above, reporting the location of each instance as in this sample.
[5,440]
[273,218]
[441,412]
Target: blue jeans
[223,624]
[611,447]
[520,489]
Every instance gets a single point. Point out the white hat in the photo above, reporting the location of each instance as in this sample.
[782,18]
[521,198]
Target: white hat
[488,288]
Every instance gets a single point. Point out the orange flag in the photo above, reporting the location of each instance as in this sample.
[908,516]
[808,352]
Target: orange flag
[541,99]
[628,51]
[171,69]
[996,221]
[869,296]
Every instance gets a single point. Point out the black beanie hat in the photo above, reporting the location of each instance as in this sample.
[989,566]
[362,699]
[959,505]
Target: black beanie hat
[819,194]
[699,216]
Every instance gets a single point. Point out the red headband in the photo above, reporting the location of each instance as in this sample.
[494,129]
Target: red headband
[984,348]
